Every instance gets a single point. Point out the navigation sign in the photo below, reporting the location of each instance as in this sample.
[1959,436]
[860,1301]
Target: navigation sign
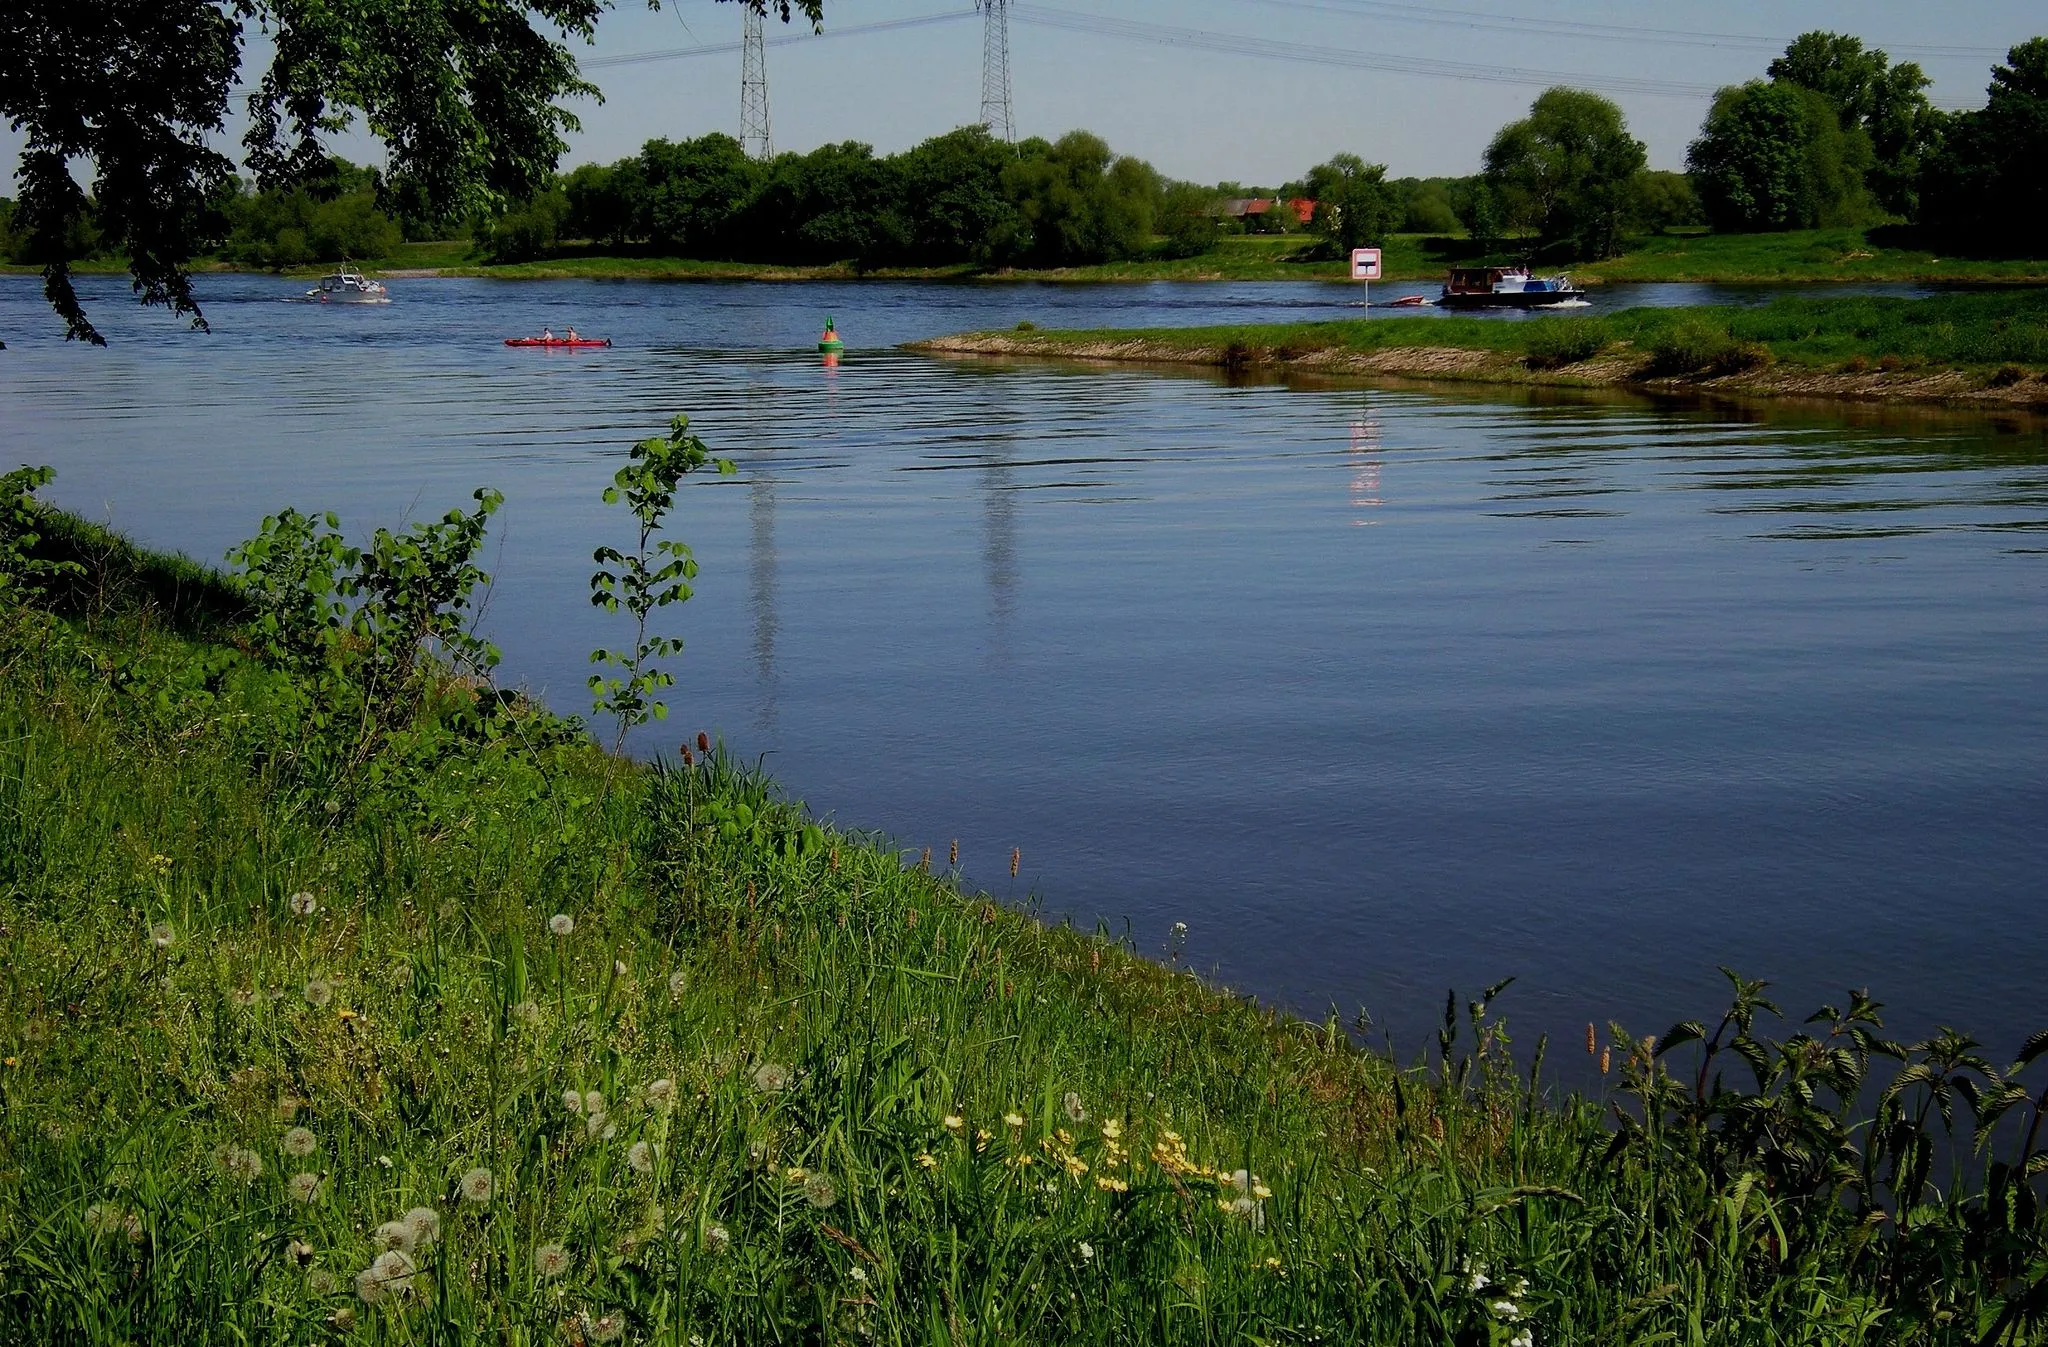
[1365,264]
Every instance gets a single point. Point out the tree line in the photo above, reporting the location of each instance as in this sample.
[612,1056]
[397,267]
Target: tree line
[1832,133]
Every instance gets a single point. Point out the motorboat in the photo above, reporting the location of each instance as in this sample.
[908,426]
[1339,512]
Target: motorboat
[348,286]
[1507,288]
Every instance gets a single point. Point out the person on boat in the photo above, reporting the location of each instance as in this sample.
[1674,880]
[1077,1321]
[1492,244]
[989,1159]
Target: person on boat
[572,332]
[547,334]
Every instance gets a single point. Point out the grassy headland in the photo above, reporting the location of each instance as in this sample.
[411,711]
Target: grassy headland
[1986,348]
[327,1023]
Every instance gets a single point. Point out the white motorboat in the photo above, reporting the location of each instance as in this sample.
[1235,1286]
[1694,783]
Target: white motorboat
[348,286]
[1508,288]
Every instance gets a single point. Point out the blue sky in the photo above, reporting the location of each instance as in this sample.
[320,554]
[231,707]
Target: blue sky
[1251,90]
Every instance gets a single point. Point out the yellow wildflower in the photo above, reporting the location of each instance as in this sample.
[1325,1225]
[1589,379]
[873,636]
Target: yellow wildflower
[1112,1129]
[1013,1120]
[954,1122]
[796,1174]
[1076,1166]
[1110,1185]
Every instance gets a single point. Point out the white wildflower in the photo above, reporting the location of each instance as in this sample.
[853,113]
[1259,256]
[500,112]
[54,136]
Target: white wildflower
[606,1327]
[477,1185]
[161,935]
[1087,1252]
[661,1093]
[640,1156]
[572,1100]
[425,1224]
[305,1187]
[677,981]
[384,1161]
[1525,1338]
[717,1238]
[771,1078]
[1506,1310]
[819,1190]
[550,1260]
[393,1235]
[859,1274]
[239,1162]
[389,1274]
[561,923]
[304,904]
[319,991]
[593,1101]
[300,1141]
[618,968]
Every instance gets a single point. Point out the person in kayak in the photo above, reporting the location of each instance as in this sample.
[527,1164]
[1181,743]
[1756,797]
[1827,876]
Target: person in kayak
[547,334]
[572,333]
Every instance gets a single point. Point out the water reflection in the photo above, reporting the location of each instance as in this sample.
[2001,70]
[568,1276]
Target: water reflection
[1365,467]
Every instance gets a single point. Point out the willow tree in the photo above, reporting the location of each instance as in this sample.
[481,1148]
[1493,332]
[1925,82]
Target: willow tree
[467,97]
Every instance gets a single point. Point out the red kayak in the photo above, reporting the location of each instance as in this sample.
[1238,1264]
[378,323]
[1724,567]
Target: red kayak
[577,344]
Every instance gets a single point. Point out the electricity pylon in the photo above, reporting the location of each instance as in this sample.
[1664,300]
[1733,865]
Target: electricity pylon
[754,135]
[996,112]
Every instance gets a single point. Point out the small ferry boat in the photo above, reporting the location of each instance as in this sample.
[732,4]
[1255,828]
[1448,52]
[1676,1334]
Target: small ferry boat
[1507,288]
[348,286]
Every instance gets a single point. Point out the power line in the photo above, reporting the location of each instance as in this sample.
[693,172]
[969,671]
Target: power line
[1598,32]
[728,48]
[1233,44]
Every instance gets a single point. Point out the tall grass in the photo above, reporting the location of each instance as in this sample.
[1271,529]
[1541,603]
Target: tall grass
[518,1047]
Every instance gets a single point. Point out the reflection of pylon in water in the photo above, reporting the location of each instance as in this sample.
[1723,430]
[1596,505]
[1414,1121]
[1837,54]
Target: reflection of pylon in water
[1365,468]
[754,135]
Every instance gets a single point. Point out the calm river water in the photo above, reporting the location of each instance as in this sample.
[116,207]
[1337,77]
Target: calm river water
[1379,691]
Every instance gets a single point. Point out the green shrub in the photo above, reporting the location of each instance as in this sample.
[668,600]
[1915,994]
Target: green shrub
[1695,347]
[1555,343]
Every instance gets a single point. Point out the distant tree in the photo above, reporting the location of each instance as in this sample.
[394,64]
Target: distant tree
[1427,206]
[825,206]
[1775,156]
[1565,174]
[1885,102]
[526,233]
[604,202]
[1987,187]
[950,195]
[463,94]
[332,218]
[1664,199]
[1355,205]
[696,190]
[1077,203]
[1188,220]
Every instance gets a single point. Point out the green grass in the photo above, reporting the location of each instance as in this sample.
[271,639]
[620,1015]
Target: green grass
[1801,256]
[266,1013]
[1969,331]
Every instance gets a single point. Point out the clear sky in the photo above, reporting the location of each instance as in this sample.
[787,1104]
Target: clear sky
[1248,90]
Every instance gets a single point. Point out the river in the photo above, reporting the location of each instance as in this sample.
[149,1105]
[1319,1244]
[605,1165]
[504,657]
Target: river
[1379,691]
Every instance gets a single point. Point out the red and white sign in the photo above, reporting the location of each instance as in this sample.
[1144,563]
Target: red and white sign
[1365,264]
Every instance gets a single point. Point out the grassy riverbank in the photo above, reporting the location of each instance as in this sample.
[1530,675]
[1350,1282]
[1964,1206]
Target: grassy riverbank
[1812,256]
[1987,348]
[348,1001]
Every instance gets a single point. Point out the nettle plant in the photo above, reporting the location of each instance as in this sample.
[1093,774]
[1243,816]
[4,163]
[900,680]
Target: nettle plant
[656,573]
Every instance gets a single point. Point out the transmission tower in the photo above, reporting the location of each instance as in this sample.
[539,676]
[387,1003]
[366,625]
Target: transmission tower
[996,113]
[754,90]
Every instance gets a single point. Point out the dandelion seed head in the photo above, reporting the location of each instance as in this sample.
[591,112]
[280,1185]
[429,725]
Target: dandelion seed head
[717,1238]
[304,904]
[593,1101]
[820,1191]
[321,1282]
[594,1125]
[319,991]
[572,1100]
[771,1078]
[607,1327]
[526,1012]
[239,1162]
[391,1272]
[677,981]
[1072,1105]
[640,1156]
[392,1235]
[425,1224]
[299,1252]
[550,1260]
[561,924]
[161,935]
[477,1185]
[300,1141]
[661,1093]
[305,1187]
[343,1318]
